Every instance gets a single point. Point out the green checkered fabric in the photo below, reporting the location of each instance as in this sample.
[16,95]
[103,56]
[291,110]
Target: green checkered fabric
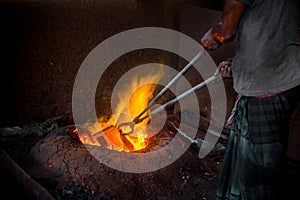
[254,165]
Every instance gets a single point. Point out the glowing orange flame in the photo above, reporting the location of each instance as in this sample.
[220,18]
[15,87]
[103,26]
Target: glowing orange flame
[142,92]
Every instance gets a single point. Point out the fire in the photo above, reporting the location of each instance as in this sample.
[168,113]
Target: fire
[142,91]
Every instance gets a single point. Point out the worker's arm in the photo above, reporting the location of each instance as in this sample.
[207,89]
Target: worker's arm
[226,30]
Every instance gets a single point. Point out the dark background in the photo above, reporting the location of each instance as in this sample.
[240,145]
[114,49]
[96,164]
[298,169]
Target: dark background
[43,44]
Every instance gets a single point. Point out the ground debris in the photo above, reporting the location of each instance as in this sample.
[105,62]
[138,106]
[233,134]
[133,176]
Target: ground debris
[75,174]
[78,191]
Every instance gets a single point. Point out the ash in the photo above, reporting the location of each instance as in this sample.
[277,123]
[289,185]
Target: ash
[53,155]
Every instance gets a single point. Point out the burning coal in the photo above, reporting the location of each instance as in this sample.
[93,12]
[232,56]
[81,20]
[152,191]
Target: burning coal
[132,99]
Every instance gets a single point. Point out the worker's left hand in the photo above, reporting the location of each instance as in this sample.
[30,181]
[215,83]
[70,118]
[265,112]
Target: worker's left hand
[209,42]
[224,68]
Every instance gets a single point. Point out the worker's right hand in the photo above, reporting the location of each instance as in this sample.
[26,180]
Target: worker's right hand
[209,42]
[224,68]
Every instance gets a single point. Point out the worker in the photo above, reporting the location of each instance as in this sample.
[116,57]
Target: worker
[266,77]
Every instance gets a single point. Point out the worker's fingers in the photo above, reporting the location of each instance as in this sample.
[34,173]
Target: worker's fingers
[227,72]
[208,42]
[224,68]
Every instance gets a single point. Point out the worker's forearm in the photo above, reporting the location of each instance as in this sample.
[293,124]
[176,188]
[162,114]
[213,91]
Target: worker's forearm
[226,30]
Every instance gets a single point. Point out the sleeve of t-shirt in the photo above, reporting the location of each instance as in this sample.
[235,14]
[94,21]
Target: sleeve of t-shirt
[246,2]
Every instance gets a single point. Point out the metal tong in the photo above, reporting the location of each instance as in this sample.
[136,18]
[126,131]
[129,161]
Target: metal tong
[139,118]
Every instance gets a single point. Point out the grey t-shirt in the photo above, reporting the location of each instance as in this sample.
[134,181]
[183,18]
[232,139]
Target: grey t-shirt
[268,56]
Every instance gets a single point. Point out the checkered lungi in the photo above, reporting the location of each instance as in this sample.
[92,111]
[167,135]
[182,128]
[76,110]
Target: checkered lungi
[254,165]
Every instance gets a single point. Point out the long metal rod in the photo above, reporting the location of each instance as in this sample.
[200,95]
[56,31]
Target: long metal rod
[182,95]
[165,89]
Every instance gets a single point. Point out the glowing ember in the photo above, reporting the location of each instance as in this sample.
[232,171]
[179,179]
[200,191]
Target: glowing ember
[110,137]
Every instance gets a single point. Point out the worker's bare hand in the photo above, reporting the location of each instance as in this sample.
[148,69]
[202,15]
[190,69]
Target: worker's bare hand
[224,68]
[209,42]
